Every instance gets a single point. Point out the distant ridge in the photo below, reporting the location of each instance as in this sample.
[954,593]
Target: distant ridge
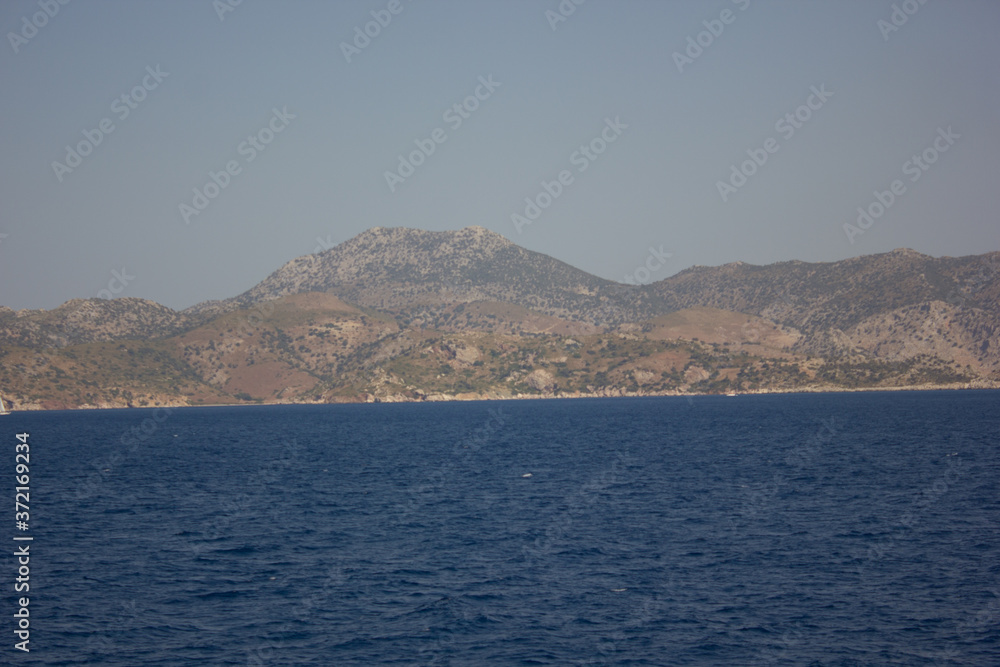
[422,274]
[406,314]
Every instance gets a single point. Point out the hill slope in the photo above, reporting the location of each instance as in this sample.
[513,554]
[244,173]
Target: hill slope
[402,314]
[416,273]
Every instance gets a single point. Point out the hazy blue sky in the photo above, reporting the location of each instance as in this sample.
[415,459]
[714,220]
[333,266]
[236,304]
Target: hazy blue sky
[322,176]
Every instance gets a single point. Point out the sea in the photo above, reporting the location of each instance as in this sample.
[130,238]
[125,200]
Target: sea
[795,529]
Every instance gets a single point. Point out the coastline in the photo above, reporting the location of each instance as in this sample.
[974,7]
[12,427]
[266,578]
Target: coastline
[366,398]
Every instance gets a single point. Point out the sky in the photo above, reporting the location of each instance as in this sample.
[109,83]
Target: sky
[181,151]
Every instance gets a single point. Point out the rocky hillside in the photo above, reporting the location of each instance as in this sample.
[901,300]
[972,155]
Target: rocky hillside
[891,306]
[877,305]
[402,314]
[315,348]
[418,274]
[89,320]
[838,295]
[422,275]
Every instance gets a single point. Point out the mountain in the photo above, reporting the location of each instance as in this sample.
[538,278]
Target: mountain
[404,314]
[893,305]
[417,274]
[876,305]
[841,294]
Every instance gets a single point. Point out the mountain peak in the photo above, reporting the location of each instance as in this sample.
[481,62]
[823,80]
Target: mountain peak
[401,267]
[472,231]
[478,232]
[907,252]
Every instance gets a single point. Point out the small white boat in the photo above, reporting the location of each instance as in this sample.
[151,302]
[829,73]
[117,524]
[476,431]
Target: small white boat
[3,409]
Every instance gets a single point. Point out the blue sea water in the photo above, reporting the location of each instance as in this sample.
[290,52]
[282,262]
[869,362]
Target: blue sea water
[810,529]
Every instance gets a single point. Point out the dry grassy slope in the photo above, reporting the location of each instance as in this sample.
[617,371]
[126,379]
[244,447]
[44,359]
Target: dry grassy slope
[314,347]
[282,349]
[103,374]
[439,364]
[496,317]
[720,326]
[265,353]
